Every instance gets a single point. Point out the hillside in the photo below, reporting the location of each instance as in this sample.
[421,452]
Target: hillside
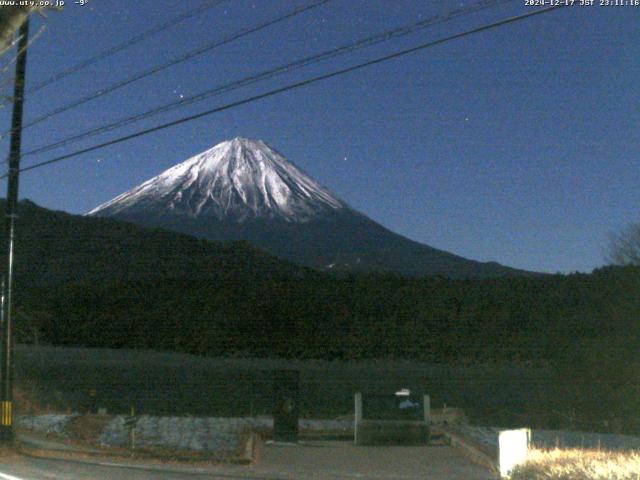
[101,282]
[56,247]
[95,282]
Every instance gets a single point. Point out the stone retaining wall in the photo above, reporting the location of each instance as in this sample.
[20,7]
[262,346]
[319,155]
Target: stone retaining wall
[49,423]
[200,434]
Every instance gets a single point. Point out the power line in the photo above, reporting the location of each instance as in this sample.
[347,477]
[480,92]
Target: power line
[14,59]
[291,87]
[124,45]
[4,81]
[175,61]
[287,68]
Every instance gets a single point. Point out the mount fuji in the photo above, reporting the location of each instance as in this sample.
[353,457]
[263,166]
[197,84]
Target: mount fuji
[243,189]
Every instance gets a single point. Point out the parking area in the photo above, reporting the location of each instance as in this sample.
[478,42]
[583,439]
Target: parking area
[324,460]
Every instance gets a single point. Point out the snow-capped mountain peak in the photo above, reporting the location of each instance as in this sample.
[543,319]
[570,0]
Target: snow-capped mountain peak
[235,180]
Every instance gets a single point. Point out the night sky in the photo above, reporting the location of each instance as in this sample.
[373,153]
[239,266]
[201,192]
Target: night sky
[518,145]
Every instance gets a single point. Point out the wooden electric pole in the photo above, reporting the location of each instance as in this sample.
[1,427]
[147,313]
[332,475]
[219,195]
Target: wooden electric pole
[6,367]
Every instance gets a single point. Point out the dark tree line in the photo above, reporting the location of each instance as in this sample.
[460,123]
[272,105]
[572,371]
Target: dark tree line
[101,283]
[437,319]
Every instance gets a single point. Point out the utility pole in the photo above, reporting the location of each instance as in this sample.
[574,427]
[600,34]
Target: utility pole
[6,373]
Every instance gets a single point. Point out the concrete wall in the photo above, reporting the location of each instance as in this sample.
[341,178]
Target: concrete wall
[49,423]
[181,433]
[557,438]
[201,434]
[390,432]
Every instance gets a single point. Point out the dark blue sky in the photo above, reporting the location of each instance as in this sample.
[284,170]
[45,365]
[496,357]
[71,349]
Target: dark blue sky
[518,145]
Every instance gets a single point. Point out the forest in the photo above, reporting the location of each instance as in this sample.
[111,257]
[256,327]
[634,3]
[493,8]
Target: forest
[101,283]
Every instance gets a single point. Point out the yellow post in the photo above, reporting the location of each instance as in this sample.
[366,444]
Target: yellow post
[132,431]
[6,414]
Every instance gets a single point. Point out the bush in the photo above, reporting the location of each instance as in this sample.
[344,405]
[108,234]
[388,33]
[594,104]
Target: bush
[578,465]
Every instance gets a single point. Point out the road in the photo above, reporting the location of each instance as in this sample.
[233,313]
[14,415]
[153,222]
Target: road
[23,468]
[312,461]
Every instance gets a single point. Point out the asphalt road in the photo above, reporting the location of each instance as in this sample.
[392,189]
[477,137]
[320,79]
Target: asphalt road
[312,461]
[24,468]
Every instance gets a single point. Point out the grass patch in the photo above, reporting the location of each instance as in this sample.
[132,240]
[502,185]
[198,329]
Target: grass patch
[87,428]
[163,383]
[577,464]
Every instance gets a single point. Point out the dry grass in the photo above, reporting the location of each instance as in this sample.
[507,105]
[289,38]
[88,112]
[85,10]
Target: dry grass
[8,453]
[27,397]
[87,428]
[579,465]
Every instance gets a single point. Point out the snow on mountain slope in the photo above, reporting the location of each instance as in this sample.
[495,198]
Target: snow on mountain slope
[236,180]
[244,190]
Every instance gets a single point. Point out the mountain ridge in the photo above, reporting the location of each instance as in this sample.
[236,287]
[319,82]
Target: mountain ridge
[236,179]
[244,189]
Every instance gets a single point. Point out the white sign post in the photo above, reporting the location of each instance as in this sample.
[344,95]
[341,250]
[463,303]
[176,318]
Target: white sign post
[513,446]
